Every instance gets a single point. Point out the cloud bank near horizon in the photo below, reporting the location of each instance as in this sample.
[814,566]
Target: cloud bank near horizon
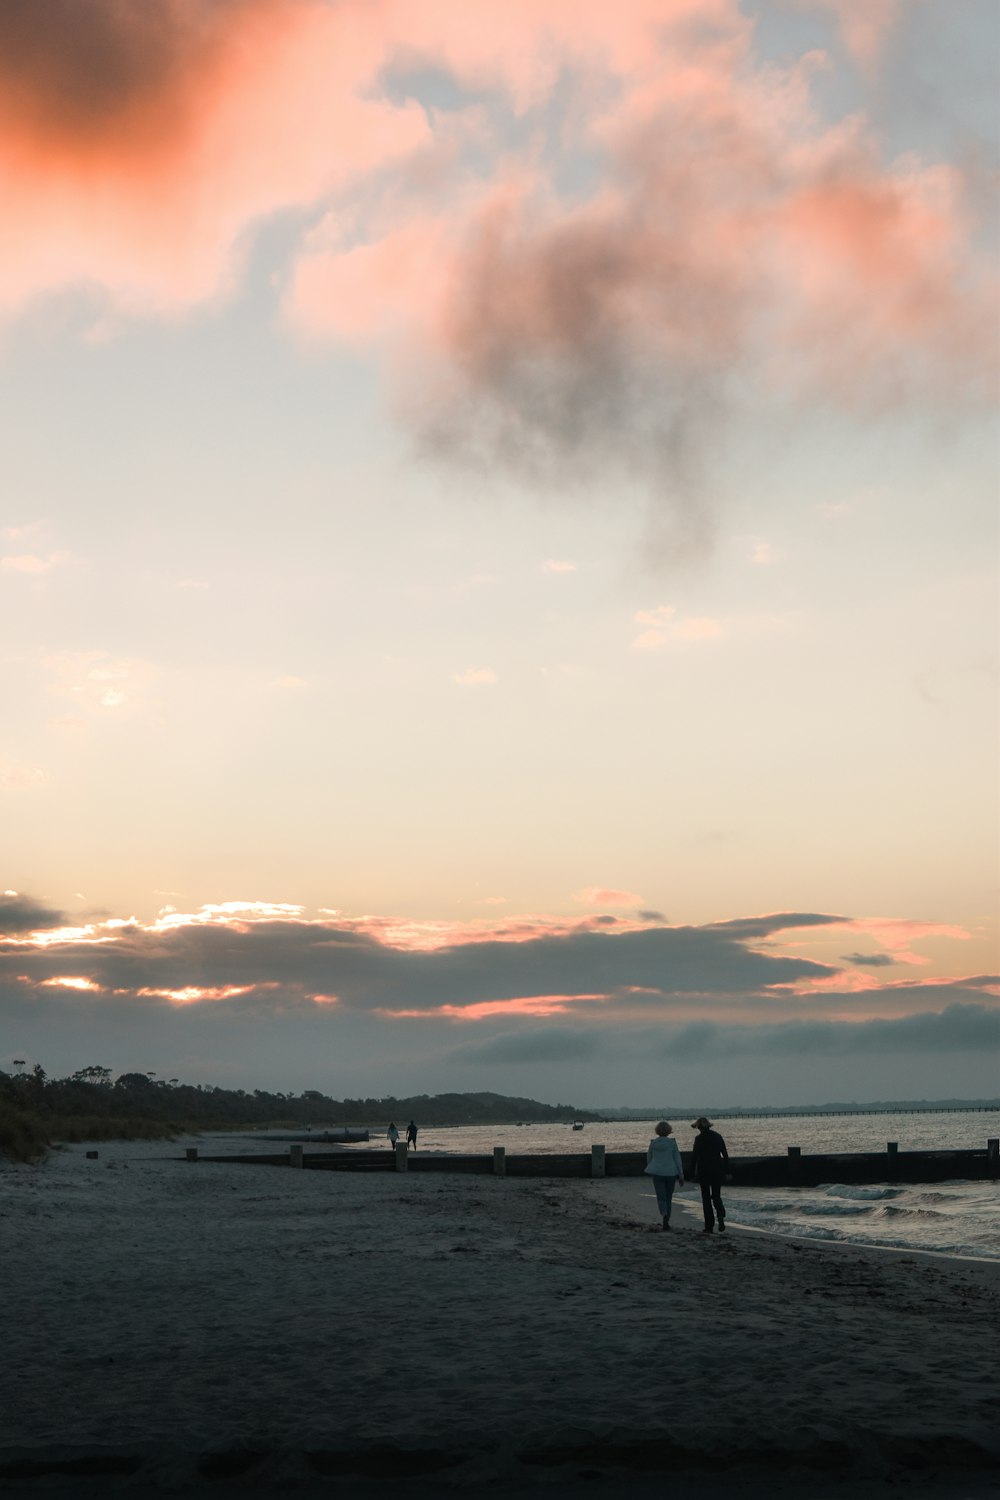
[251,959]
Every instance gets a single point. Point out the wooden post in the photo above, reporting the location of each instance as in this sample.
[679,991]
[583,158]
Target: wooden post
[892,1151]
[91,1155]
[295,1156]
[794,1163]
[400,1150]
[191,1154]
[597,1161]
[993,1153]
[499,1161]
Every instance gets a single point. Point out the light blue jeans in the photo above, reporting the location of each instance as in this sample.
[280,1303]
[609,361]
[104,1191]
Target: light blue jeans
[664,1193]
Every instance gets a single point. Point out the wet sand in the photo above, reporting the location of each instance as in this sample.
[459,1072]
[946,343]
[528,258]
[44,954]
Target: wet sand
[171,1327]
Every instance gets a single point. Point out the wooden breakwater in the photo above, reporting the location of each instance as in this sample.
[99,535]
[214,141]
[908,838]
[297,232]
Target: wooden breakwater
[791,1170]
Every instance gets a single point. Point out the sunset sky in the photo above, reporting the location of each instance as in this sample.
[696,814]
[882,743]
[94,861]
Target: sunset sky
[498,545]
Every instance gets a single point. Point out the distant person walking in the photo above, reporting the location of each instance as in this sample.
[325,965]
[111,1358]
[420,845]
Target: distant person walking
[392,1134]
[710,1165]
[411,1136]
[664,1165]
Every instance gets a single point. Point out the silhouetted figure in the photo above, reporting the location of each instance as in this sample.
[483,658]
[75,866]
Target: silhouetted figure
[663,1164]
[710,1165]
[411,1136]
[392,1134]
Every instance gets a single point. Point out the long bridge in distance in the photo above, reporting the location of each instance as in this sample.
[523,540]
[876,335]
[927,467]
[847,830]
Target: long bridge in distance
[825,1114]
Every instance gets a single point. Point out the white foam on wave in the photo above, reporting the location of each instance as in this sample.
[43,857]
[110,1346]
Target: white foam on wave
[898,1211]
[835,1210]
[864,1194]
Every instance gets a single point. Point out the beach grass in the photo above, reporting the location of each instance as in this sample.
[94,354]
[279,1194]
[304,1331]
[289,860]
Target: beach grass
[22,1135]
[27,1136]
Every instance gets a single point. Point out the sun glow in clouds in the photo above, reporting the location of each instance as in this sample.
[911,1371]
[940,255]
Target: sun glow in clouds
[193,994]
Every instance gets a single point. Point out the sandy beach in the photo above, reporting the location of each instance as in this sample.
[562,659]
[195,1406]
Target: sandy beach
[179,1328]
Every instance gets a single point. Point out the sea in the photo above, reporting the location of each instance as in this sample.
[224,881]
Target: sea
[947,1218]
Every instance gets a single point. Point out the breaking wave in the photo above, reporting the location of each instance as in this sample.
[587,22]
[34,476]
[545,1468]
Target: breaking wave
[863,1194]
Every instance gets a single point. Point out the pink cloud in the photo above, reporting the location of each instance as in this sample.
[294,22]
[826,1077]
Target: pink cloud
[666,629]
[524,1005]
[865,27]
[601,895]
[898,935]
[727,228]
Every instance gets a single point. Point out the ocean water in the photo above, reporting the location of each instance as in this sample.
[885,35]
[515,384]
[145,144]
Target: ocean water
[950,1218]
[930,1131]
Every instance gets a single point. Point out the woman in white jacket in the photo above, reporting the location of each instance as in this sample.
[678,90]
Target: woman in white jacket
[664,1165]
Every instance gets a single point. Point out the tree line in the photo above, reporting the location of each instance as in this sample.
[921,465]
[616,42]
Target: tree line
[93,1095]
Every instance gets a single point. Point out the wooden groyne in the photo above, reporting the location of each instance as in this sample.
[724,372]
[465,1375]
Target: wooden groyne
[791,1170]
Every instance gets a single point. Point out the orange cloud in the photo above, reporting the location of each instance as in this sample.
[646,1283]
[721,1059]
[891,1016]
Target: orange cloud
[71,982]
[193,994]
[523,1005]
[140,141]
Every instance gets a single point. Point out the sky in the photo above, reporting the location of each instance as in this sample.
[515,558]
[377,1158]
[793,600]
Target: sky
[498,546]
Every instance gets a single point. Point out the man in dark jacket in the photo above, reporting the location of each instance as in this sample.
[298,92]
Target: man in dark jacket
[710,1164]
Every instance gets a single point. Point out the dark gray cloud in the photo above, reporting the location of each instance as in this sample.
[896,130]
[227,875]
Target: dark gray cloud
[539,1043]
[869,960]
[22,914]
[771,922]
[295,957]
[958,1028]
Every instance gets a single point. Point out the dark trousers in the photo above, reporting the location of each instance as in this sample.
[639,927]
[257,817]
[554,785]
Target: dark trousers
[711,1196]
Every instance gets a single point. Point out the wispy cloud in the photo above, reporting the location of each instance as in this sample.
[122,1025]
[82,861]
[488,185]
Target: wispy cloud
[476,677]
[30,562]
[603,895]
[15,777]
[866,29]
[98,679]
[666,628]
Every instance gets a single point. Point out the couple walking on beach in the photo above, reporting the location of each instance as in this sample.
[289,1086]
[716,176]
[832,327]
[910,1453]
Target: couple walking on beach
[392,1135]
[709,1166]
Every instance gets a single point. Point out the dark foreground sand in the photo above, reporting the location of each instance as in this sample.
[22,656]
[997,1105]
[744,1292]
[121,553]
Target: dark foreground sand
[174,1328]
